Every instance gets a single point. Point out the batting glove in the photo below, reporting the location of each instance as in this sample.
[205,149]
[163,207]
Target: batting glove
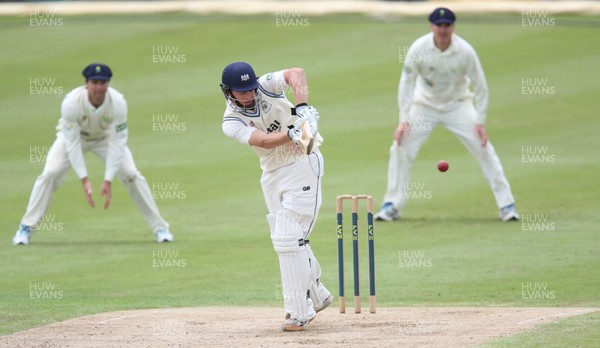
[294,134]
[312,122]
[302,137]
[310,114]
[307,111]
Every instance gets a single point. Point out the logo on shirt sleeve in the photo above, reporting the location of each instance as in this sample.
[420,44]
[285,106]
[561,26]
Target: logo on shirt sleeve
[121,127]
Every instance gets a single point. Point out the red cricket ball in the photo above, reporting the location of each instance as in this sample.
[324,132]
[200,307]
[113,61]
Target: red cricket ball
[443,166]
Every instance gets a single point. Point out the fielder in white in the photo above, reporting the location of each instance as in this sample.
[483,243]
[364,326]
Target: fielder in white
[93,118]
[259,114]
[434,89]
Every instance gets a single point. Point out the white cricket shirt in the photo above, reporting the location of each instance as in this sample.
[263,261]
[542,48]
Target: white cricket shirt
[441,79]
[81,122]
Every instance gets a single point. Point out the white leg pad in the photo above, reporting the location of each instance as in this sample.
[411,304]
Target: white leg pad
[288,241]
[318,292]
[271,219]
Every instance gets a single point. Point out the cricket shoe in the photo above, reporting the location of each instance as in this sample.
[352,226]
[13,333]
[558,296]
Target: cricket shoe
[293,324]
[387,213]
[509,213]
[22,236]
[326,303]
[163,236]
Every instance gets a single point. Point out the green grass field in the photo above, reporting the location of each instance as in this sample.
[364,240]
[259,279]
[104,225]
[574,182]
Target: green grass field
[96,261]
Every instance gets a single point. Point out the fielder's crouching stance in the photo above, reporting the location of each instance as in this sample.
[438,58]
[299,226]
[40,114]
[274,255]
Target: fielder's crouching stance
[93,118]
[286,139]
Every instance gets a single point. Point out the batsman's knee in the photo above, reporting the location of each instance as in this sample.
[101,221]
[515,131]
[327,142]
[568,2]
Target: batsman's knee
[271,219]
[286,235]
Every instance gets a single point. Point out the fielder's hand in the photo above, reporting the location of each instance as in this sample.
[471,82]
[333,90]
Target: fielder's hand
[401,132]
[105,191]
[87,190]
[482,134]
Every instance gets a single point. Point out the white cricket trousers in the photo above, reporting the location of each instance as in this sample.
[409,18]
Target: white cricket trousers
[297,188]
[460,120]
[56,167]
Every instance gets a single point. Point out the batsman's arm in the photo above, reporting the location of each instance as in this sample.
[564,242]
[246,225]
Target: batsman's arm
[268,141]
[296,79]
[236,128]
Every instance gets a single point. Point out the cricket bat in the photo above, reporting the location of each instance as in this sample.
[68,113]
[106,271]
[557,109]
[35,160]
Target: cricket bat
[306,138]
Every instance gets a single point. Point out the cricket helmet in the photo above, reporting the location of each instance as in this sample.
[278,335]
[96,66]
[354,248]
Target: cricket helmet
[239,77]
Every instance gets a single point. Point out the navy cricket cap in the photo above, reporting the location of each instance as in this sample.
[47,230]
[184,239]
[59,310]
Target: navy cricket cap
[442,15]
[97,71]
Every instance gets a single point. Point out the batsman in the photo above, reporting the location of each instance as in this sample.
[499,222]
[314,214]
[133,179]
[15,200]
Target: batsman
[286,140]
